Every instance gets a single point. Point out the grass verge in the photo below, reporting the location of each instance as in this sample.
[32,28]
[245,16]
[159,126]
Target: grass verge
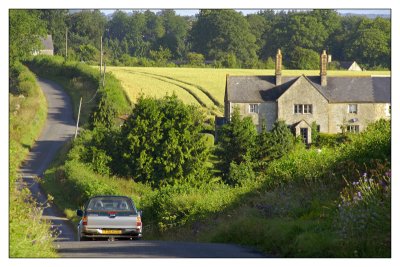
[30,236]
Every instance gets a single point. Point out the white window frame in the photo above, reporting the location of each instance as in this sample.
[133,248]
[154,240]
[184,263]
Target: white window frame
[353,128]
[253,108]
[303,109]
[353,108]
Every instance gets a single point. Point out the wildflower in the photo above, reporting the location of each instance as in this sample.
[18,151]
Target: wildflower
[359,194]
[388,173]
[364,174]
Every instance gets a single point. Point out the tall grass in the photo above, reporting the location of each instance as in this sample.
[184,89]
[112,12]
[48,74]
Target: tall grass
[30,236]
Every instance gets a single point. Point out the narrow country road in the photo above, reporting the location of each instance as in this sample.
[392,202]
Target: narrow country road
[60,127]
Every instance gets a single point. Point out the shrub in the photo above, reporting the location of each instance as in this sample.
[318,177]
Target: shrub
[195,59]
[331,140]
[303,165]
[373,143]
[161,142]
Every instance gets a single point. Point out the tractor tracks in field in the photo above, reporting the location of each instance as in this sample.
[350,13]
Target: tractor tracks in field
[179,83]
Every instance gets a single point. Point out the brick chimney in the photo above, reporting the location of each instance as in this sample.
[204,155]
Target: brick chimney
[323,68]
[278,68]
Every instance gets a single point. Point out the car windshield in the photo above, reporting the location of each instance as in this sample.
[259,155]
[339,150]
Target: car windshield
[110,203]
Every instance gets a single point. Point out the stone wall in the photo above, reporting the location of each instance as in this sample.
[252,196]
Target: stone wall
[366,113]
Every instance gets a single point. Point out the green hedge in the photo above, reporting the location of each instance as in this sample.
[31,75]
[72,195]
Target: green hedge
[29,234]
[81,80]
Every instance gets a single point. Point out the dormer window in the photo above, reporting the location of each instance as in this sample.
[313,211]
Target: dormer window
[253,108]
[353,108]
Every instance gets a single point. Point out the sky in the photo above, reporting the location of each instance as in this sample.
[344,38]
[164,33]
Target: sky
[191,12]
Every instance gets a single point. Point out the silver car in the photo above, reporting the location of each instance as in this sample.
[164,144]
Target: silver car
[109,217]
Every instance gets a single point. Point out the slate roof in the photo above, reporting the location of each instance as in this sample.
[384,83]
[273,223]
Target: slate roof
[248,89]
[47,42]
[258,89]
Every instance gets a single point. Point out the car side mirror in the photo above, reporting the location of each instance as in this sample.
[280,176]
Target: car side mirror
[79,213]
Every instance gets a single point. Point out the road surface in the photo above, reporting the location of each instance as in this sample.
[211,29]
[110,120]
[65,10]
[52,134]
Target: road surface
[60,127]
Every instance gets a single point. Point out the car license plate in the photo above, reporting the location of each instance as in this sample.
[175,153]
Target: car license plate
[111,232]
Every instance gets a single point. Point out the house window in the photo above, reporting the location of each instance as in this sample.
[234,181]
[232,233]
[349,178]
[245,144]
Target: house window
[253,108]
[353,128]
[353,108]
[302,109]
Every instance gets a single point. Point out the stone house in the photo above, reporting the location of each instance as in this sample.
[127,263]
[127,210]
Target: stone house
[334,103]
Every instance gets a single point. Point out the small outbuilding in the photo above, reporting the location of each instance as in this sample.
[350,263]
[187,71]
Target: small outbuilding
[349,65]
[47,46]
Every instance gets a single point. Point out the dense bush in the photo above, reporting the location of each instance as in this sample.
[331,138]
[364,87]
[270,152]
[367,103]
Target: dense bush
[161,142]
[373,143]
[177,205]
[331,140]
[303,165]
[236,141]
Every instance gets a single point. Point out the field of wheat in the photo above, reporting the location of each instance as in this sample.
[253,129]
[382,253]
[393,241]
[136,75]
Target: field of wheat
[199,86]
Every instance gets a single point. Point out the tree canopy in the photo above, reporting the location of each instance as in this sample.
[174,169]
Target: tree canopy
[26,28]
[224,37]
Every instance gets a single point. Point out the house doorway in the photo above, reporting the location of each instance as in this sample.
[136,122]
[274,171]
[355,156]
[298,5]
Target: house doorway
[304,134]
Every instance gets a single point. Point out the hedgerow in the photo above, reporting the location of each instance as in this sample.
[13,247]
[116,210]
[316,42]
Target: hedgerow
[30,236]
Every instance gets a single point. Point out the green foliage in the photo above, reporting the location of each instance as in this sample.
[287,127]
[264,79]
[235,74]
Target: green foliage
[304,59]
[221,35]
[370,44]
[26,28]
[364,206]
[236,140]
[30,236]
[281,140]
[22,81]
[331,140]
[103,104]
[173,206]
[161,56]
[195,59]
[224,35]
[364,211]
[161,142]
[241,173]
[303,165]
[373,143]
[88,52]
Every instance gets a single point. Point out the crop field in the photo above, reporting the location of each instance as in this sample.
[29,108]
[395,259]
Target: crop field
[199,86]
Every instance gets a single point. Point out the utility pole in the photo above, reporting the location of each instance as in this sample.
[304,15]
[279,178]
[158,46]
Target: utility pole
[77,121]
[101,54]
[66,44]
